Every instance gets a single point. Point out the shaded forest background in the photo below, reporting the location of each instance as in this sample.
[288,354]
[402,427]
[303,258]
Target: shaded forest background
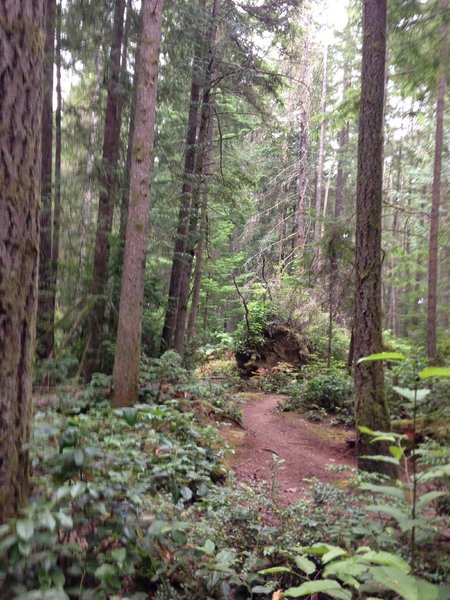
[267,197]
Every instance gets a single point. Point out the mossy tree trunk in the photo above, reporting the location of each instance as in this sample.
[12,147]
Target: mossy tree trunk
[22,38]
[128,344]
[371,408]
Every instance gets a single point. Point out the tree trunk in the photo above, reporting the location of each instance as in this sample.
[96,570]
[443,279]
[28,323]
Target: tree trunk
[200,250]
[22,32]
[299,239]
[321,158]
[202,150]
[342,173]
[179,255]
[85,225]
[371,408]
[128,344]
[46,286]
[436,191]
[58,148]
[108,190]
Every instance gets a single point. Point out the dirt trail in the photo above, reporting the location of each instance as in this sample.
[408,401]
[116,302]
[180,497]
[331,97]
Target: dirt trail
[306,448]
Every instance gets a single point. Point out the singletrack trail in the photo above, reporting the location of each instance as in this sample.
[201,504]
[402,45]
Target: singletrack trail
[306,448]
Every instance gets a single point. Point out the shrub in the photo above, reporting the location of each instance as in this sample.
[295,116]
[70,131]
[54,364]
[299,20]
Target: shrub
[331,391]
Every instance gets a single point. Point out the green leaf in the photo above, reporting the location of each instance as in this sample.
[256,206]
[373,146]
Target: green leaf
[383,438]
[130,414]
[387,559]
[209,547]
[318,549]
[332,554]
[7,542]
[429,497]
[24,548]
[78,457]
[412,395]
[263,589]
[65,520]
[346,569]
[77,489]
[429,372]
[105,571]
[25,529]
[119,555]
[48,521]
[313,587]
[393,511]
[397,452]
[387,490]
[434,473]
[406,586]
[179,537]
[305,565]
[4,529]
[382,356]
[364,429]
[274,570]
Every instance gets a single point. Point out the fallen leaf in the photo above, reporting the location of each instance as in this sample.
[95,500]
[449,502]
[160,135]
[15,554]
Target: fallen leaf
[277,595]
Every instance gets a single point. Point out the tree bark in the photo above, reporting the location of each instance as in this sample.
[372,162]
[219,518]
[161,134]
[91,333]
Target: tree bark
[371,408]
[58,149]
[342,173]
[46,293]
[200,250]
[179,255]
[128,344]
[85,225]
[302,177]
[108,189]
[321,158]
[436,190]
[22,37]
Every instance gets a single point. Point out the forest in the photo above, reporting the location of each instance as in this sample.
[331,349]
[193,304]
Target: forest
[224,300]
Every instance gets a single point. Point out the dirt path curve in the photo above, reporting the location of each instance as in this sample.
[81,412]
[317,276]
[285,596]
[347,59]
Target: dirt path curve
[306,448]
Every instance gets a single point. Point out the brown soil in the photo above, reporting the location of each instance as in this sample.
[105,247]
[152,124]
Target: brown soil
[306,448]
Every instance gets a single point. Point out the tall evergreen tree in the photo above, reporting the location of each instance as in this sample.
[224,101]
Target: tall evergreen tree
[128,345]
[371,409]
[108,191]
[47,283]
[22,31]
[436,192]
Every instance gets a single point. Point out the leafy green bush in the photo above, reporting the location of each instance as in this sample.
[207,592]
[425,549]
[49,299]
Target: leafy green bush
[55,370]
[260,314]
[317,332]
[329,391]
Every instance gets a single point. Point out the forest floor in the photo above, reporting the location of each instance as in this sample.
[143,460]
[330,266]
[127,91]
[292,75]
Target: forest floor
[307,449]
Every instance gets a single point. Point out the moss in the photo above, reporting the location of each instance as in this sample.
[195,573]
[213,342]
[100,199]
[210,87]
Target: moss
[33,36]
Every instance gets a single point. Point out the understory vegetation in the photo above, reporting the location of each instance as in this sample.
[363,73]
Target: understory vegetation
[141,502]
